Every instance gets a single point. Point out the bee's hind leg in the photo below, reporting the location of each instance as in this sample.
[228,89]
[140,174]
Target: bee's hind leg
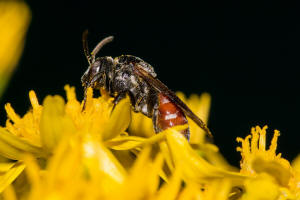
[156,127]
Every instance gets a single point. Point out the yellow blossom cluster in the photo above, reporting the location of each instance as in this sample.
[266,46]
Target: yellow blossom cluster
[58,151]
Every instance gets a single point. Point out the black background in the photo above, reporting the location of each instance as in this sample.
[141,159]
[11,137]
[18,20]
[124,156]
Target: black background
[244,54]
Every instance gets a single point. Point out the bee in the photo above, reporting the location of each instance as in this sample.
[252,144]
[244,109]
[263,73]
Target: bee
[130,75]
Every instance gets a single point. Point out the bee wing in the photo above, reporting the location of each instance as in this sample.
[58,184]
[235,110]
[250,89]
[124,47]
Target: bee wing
[160,87]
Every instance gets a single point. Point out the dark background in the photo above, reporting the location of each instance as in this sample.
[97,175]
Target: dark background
[245,55]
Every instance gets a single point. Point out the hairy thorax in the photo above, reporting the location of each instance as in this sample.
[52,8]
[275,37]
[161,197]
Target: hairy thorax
[141,94]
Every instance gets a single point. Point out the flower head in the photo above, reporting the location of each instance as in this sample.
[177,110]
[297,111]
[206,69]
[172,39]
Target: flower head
[45,126]
[70,153]
[256,158]
[273,175]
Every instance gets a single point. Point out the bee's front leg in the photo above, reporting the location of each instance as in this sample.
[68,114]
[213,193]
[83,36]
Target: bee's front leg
[118,98]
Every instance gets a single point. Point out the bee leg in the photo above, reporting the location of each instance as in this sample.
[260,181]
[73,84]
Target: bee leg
[118,98]
[154,118]
[132,99]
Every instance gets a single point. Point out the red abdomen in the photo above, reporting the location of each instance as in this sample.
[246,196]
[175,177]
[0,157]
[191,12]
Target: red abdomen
[169,115]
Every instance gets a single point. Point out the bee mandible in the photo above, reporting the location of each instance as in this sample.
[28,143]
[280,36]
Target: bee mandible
[130,75]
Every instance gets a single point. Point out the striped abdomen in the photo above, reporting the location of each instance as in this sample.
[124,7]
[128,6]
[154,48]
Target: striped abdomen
[169,115]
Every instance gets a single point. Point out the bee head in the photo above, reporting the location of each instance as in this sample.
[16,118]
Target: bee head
[95,74]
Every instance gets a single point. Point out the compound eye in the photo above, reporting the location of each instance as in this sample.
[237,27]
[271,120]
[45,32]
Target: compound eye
[95,68]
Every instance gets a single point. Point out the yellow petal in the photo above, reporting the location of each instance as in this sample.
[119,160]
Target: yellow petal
[18,143]
[171,189]
[5,166]
[26,127]
[131,142]
[281,174]
[200,105]
[32,170]
[194,167]
[9,193]
[54,123]
[34,101]
[9,151]
[119,120]
[218,189]
[98,158]
[14,20]
[191,192]
[261,188]
[11,113]
[167,155]
[296,163]
[212,154]
[124,143]
[126,158]
[73,107]
[141,125]
[65,164]
[8,177]
[143,177]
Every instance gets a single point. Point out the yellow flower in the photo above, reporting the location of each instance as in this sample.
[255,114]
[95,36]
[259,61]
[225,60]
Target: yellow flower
[70,153]
[14,20]
[273,175]
[41,129]
[26,127]
[58,151]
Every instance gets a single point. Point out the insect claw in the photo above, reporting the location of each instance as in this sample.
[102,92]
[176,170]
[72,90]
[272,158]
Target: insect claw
[206,129]
[209,133]
[210,137]
[83,107]
[113,108]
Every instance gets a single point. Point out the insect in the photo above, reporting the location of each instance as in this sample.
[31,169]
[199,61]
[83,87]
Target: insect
[130,75]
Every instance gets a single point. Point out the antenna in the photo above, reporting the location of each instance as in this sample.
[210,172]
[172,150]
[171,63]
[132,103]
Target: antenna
[100,45]
[86,46]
